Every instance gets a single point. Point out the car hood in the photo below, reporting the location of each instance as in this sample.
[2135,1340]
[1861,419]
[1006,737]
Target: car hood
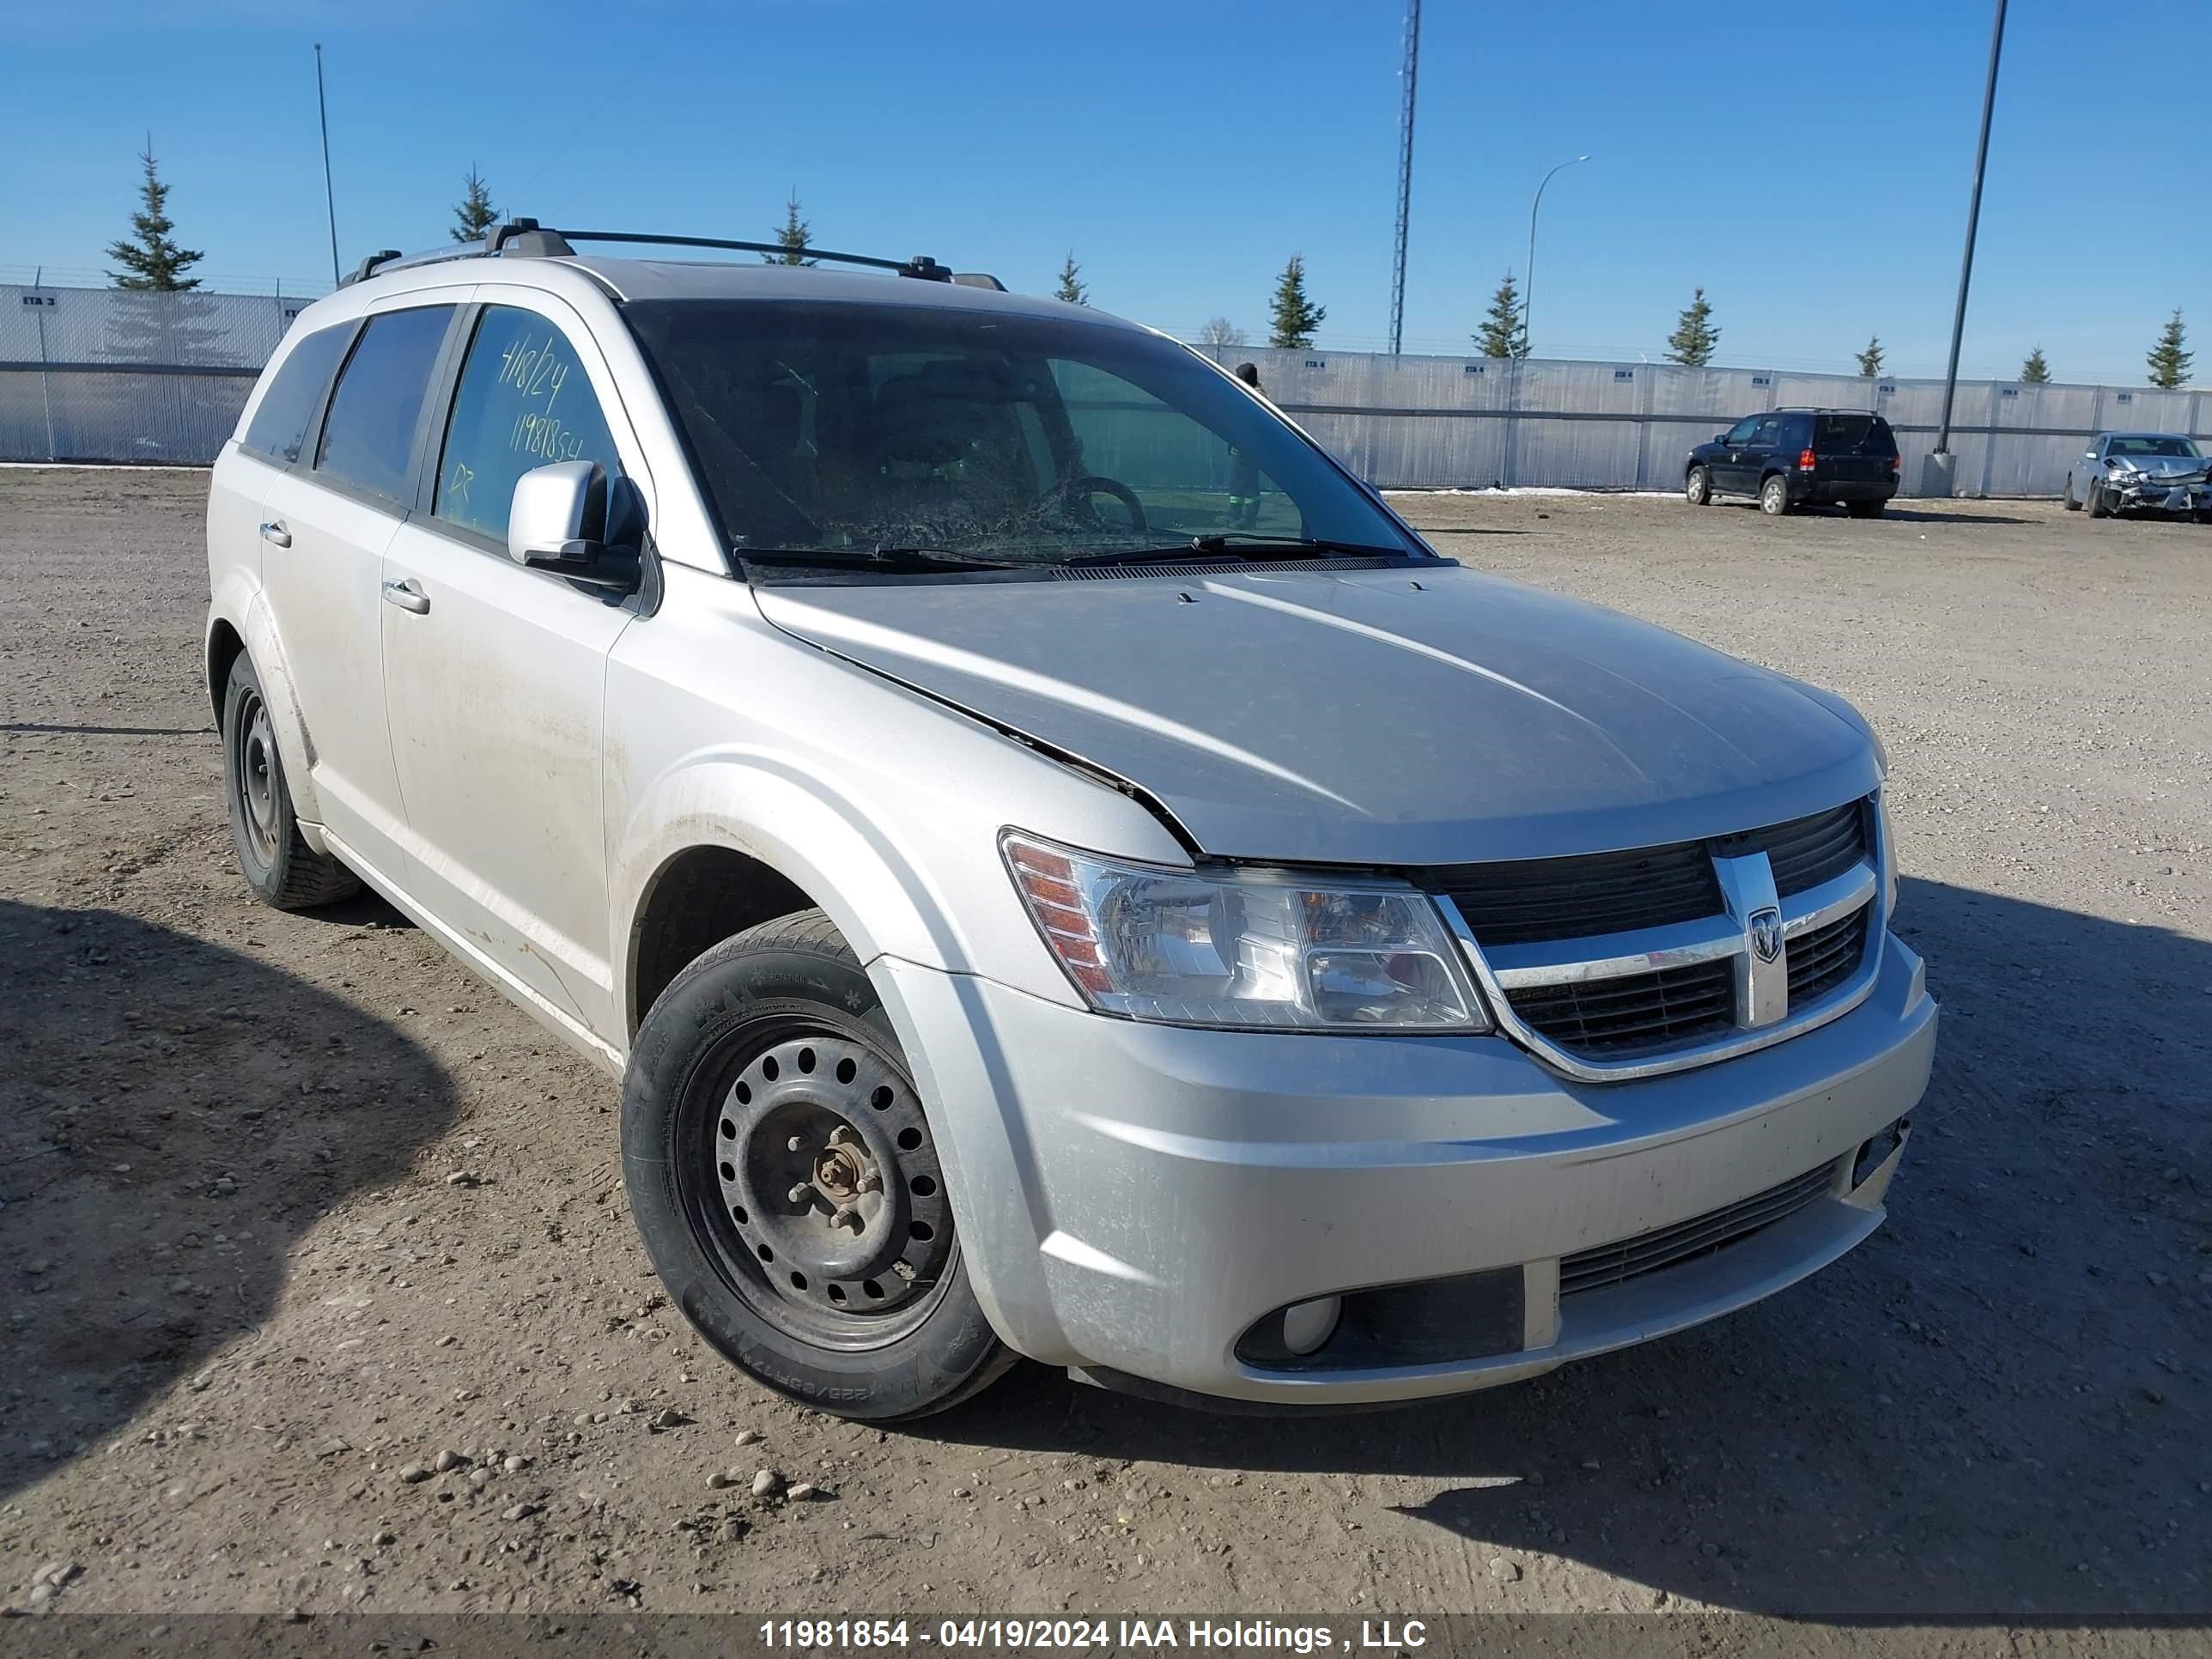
[1410,716]
[2162,466]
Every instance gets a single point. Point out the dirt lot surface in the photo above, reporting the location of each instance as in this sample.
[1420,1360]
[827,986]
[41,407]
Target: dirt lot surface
[321,1292]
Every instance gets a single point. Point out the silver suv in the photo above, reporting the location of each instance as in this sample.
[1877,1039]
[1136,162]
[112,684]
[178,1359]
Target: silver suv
[1058,866]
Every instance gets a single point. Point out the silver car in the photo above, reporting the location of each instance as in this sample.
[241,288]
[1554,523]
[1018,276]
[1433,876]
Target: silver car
[2140,471]
[1057,866]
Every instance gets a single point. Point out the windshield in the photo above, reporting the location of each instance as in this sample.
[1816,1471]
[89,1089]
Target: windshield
[854,430]
[2178,447]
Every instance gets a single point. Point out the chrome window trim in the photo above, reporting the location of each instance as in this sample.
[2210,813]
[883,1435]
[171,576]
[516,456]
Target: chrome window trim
[1868,885]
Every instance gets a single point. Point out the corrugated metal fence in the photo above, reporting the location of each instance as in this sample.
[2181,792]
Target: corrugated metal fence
[1427,422]
[98,374]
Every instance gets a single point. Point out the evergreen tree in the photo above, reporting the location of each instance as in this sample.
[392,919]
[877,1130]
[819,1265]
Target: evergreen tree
[1694,337]
[1503,333]
[1870,358]
[1292,316]
[2035,371]
[154,264]
[473,215]
[791,236]
[2169,363]
[1074,291]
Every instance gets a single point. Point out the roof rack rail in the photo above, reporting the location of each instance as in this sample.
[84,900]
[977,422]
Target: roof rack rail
[921,265]
[527,237]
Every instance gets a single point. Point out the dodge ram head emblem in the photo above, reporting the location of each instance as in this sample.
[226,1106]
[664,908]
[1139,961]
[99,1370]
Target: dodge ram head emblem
[1764,928]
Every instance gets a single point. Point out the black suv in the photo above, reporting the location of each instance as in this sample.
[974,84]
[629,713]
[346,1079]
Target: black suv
[1798,458]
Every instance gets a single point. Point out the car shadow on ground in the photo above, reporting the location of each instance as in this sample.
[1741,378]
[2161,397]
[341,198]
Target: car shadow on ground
[1928,516]
[178,1113]
[1912,1432]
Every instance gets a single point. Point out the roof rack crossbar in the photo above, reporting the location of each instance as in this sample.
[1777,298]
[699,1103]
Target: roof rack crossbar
[528,237]
[921,265]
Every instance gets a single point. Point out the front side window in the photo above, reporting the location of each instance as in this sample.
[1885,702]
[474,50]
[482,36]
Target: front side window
[850,430]
[279,427]
[522,401]
[368,438]
[1741,433]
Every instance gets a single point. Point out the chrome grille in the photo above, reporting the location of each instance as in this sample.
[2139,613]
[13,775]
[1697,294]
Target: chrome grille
[1622,964]
[1665,1246]
[1823,957]
[1579,898]
[1649,887]
[1634,1011]
[1808,851]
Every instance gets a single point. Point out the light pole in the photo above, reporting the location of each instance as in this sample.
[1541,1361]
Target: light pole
[330,201]
[1936,476]
[1529,274]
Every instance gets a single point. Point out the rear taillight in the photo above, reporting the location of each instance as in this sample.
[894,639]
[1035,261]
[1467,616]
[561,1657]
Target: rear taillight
[1897,464]
[1807,461]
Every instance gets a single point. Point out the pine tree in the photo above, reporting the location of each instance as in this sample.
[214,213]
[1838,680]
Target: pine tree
[154,264]
[1503,333]
[1292,318]
[473,215]
[791,236]
[1870,358]
[2035,371]
[1072,289]
[2169,363]
[1694,337]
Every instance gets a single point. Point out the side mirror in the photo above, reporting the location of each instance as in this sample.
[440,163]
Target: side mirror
[558,522]
[1720,437]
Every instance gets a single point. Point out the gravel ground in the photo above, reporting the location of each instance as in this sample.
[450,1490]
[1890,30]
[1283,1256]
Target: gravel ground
[321,1293]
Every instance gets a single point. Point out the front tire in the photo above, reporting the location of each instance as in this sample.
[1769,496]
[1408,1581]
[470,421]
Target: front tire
[2066,500]
[1774,496]
[1697,488]
[786,1184]
[2099,508]
[273,856]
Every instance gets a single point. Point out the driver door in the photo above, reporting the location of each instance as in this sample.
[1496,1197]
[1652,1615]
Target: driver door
[496,674]
[1728,471]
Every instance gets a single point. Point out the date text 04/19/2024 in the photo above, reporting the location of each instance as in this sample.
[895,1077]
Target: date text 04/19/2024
[1232,1635]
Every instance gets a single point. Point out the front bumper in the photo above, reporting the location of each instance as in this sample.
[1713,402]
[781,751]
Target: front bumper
[1134,1198]
[2160,496]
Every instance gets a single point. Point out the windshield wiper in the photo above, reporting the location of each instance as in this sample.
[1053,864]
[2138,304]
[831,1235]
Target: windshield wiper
[894,559]
[1247,544]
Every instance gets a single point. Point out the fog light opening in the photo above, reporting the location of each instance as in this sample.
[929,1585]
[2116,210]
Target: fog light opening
[1872,1152]
[1307,1325]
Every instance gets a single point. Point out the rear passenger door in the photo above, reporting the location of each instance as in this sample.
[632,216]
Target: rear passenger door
[325,527]
[496,674]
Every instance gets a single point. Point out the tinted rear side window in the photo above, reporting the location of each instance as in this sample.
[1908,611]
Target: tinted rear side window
[280,424]
[369,437]
[1854,435]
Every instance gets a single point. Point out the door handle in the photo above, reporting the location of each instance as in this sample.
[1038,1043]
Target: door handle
[276,533]
[408,596]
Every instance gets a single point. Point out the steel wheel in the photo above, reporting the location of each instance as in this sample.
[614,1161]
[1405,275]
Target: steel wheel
[822,1194]
[261,814]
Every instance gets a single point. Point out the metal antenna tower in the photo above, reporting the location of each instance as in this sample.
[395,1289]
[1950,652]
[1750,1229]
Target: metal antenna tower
[1409,75]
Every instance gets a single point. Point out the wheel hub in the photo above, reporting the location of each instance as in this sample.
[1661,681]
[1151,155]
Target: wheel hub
[827,1171]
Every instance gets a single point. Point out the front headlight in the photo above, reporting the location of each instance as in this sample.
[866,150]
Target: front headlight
[1243,948]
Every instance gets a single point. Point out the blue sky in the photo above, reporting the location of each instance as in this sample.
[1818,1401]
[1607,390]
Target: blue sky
[1808,165]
